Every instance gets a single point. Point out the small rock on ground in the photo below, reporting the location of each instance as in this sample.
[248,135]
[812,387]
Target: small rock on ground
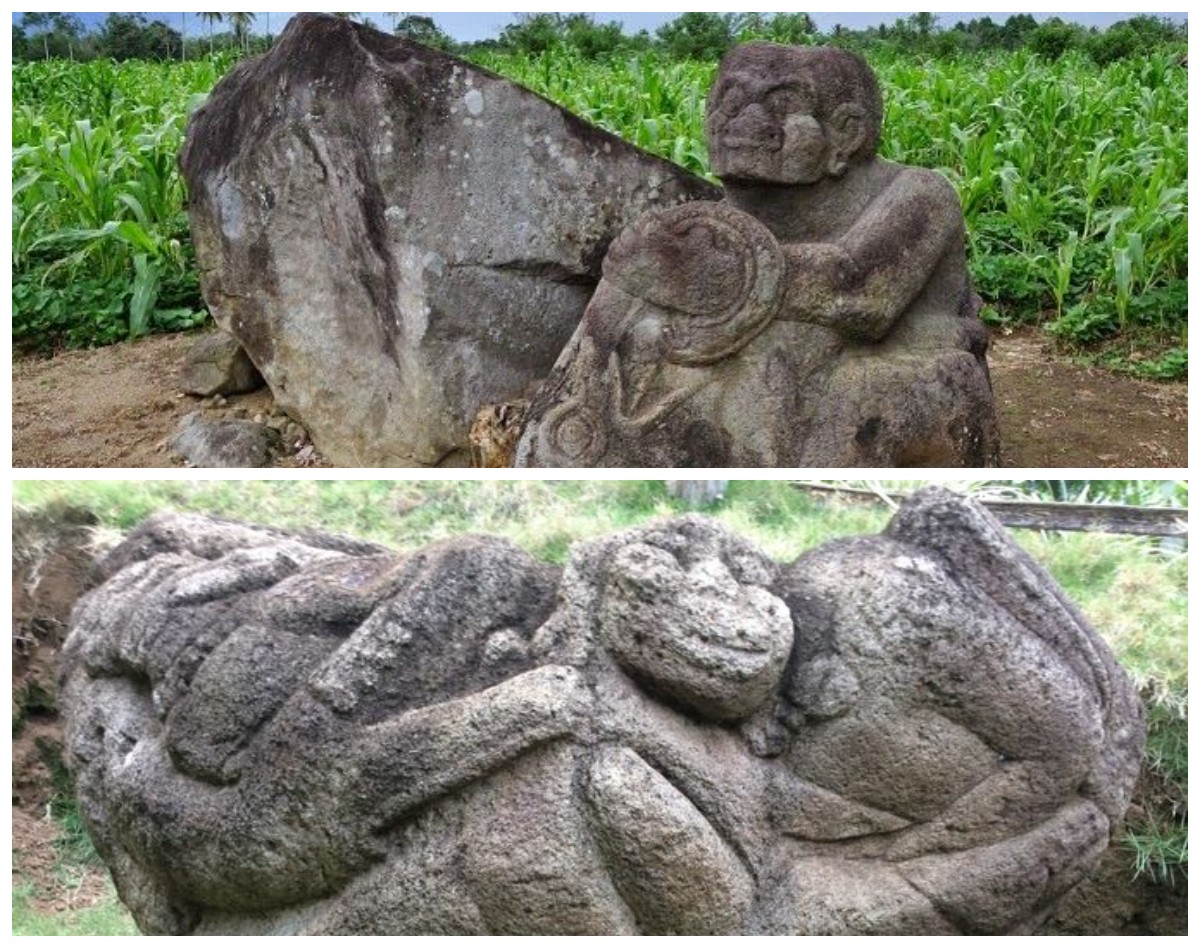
[217,365]
[206,442]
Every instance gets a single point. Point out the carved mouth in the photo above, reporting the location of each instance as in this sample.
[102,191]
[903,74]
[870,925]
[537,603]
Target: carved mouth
[747,143]
[700,646]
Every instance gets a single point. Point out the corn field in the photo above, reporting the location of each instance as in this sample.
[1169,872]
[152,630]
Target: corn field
[100,242]
[1073,179]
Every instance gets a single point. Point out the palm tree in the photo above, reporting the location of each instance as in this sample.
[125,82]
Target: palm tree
[241,27]
[183,36]
[210,19]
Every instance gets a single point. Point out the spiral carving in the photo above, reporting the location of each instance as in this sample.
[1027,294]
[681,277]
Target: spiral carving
[739,288]
[577,432]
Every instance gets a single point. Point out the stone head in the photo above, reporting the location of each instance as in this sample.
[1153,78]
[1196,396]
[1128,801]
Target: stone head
[792,114]
[692,632]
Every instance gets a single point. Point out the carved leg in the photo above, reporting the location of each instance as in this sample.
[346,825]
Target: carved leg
[992,889]
[928,410]
[669,864]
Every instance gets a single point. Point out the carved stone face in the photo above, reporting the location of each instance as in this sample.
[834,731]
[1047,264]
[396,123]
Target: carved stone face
[784,115]
[696,635]
[766,130]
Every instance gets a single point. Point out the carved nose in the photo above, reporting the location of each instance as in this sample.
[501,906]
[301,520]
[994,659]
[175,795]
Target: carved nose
[752,128]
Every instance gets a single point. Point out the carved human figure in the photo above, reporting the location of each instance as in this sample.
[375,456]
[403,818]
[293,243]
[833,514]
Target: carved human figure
[820,315]
[240,723]
[259,755]
[911,733]
[815,772]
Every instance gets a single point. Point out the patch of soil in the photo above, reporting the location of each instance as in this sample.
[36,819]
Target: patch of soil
[1112,902]
[117,406]
[113,407]
[34,784]
[36,863]
[1055,413]
[51,569]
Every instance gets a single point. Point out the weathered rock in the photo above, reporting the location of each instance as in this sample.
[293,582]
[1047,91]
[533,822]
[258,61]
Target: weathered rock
[821,315]
[912,733]
[218,365]
[398,237]
[228,442]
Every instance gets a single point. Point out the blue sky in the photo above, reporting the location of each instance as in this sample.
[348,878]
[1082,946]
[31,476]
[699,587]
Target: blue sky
[476,26]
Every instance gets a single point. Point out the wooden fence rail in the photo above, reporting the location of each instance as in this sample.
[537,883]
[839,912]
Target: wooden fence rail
[1038,515]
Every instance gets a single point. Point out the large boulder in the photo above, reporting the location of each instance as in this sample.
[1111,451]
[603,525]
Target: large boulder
[911,733]
[397,237]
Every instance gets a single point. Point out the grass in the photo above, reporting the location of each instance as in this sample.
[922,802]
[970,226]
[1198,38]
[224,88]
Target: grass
[76,857]
[107,918]
[1132,590]
[543,517]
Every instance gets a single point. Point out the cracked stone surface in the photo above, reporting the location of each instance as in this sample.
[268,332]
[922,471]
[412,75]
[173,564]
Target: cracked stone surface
[397,237]
[282,733]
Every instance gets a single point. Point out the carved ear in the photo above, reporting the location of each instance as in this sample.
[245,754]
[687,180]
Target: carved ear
[847,129]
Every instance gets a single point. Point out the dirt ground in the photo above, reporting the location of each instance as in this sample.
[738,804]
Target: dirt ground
[35,863]
[116,407]
[52,567]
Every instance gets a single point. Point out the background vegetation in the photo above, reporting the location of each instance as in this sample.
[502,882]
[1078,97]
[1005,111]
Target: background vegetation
[1134,590]
[1068,148]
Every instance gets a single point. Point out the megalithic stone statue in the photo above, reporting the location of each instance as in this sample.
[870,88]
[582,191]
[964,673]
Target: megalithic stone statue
[398,237]
[821,315]
[910,733]
[406,244]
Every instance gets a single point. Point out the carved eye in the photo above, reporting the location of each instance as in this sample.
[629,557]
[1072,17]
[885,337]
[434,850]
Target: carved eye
[733,100]
[786,101]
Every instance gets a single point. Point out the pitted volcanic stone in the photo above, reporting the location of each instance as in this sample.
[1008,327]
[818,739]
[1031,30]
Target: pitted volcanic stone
[280,732]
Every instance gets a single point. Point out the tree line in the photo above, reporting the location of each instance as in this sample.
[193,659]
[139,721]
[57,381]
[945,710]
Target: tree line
[123,36]
[697,36]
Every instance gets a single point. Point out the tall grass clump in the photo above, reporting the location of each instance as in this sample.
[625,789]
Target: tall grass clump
[1073,178]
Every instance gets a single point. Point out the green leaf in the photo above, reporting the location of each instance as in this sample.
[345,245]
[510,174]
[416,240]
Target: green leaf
[145,293]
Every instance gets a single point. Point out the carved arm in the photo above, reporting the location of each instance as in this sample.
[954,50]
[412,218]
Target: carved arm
[432,751]
[863,283]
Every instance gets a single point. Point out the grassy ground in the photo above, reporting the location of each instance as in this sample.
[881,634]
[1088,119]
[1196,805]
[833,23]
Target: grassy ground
[1134,592]
[107,918]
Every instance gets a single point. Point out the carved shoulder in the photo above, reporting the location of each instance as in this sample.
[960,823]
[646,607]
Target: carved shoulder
[932,192]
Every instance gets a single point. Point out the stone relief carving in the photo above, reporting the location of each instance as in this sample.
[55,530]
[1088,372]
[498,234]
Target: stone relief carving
[820,315]
[292,733]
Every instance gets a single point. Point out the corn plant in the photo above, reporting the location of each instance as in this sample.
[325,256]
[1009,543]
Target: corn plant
[98,201]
